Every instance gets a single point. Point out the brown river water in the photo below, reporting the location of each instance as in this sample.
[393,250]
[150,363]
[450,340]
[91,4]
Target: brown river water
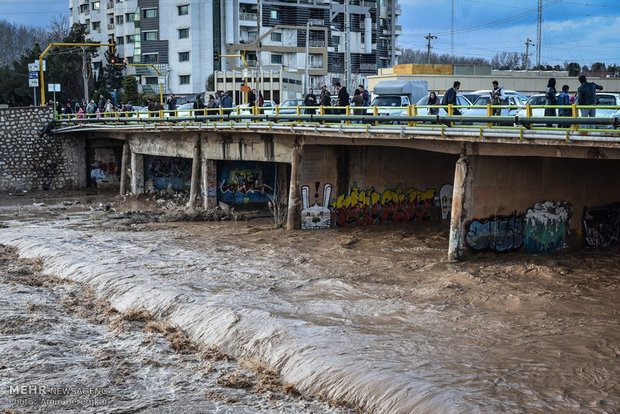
[360,319]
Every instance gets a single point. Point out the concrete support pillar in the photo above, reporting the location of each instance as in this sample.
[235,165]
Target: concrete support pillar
[137,173]
[125,162]
[209,183]
[293,220]
[461,198]
[195,183]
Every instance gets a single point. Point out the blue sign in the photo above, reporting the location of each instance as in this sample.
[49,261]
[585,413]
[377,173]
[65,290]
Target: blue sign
[33,75]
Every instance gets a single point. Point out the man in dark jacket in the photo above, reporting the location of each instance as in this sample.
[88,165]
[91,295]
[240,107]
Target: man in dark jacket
[449,98]
[310,100]
[172,102]
[343,97]
[325,99]
[586,95]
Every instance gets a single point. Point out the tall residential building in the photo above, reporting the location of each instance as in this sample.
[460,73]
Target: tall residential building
[187,38]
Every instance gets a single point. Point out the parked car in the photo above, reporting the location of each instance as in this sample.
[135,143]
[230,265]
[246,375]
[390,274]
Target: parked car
[486,92]
[512,101]
[287,107]
[244,108]
[471,96]
[461,100]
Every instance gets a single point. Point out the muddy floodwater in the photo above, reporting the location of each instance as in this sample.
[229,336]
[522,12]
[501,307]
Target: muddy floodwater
[236,316]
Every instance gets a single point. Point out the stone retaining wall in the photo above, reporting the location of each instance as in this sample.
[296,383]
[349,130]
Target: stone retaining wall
[33,159]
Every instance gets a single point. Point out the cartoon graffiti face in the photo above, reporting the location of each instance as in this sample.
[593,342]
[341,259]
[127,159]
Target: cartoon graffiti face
[315,216]
[445,199]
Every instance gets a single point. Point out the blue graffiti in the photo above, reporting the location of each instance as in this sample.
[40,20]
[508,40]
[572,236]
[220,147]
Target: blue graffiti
[498,233]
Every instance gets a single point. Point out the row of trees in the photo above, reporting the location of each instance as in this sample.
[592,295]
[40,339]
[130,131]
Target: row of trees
[64,65]
[505,61]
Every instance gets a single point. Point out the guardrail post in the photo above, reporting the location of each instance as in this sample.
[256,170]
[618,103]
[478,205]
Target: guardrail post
[375,112]
[528,113]
[348,112]
[410,110]
[489,114]
[575,113]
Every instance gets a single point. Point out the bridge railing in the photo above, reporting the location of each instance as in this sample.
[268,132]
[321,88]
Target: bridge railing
[509,116]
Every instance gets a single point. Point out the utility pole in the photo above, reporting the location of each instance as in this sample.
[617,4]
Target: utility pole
[428,45]
[347,34]
[539,32]
[452,31]
[259,75]
[84,75]
[307,74]
[527,52]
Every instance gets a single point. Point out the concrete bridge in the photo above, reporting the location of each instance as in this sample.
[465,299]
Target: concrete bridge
[500,189]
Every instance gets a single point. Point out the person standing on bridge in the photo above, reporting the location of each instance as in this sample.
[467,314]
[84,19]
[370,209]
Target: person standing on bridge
[172,102]
[550,99]
[449,98]
[498,97]
[309,102]
[586,95]
[325,99]
[343,98]
[227,103]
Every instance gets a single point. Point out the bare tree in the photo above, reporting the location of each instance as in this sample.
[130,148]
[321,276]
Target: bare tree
[506,61]
[58,29]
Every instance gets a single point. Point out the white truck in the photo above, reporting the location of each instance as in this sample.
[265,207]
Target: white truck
[391,95]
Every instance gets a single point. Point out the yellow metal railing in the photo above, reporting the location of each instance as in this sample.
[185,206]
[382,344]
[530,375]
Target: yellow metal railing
[392,115]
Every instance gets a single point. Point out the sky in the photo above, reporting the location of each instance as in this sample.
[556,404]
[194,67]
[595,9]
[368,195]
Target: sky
[572,31]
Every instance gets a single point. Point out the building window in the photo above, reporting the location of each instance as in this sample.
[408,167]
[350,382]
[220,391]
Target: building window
[96,25]
[96,5]
[276,37]
[150,80]
[119,19]
[184,80]
[130,38]
[84,8]
[183,56]
[129,59]
[130,17]
[150,58]
[276,59]
[120,40]
[183,10]
[150,13]
[150,35]
[275,14]
[183,33]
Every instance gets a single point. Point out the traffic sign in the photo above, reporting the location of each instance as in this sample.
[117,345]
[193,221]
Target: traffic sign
[53,87]
[35,67]
[33,83]
[161,80]
[33,75]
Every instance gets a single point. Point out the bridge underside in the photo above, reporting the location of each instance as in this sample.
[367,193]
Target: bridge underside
[496,193]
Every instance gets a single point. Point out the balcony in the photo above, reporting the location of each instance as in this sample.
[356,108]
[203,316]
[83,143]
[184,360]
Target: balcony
[110,26]
[248,17]
[316,22]
[368,67]
[110,5]
[316,43]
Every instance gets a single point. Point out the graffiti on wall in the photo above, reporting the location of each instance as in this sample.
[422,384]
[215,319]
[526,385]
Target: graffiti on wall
[497,233]
[168,173]
[601,225]
[546,226]
[445,200]
[315,216]
[105,172]
[246,182]
[364,207]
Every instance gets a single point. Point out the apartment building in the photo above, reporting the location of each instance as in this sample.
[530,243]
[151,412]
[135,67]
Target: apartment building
[186,39]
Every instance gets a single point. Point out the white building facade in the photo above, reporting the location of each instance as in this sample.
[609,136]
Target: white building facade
[187,38]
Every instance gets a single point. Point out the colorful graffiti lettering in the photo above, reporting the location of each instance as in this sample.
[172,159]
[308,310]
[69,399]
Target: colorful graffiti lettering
[315,216]
[242,183]
[601,225]
[546,226]
[497,233]
[364,207]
